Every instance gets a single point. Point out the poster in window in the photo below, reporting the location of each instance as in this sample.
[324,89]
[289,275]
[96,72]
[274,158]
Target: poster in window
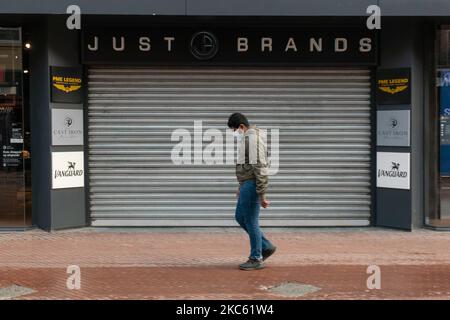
[443,83]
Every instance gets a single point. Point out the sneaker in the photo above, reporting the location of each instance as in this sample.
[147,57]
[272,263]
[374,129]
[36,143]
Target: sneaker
[252,264]
[267,253]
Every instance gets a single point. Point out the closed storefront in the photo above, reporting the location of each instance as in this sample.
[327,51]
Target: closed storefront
[130,111]
[321,118]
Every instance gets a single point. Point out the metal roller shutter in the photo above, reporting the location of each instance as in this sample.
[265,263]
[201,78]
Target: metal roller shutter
[323,116]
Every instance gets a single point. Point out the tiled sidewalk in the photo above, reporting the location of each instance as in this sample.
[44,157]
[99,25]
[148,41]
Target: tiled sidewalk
[202,264]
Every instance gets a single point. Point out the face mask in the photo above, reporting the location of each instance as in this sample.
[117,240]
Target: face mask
[238,135]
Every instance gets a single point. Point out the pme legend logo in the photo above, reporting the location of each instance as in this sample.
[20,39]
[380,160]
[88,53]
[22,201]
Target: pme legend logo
[393,86]
[66,84]
[204,45]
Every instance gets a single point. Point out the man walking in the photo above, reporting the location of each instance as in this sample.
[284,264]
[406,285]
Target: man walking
[251,172]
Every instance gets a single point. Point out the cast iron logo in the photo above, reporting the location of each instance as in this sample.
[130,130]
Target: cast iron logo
[393,123]
[68,121]
[204,45]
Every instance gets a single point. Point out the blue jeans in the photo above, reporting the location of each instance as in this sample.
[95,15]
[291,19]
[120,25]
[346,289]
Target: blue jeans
[247,215]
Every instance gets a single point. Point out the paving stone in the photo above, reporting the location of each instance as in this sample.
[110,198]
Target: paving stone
[292,289]
[14,291]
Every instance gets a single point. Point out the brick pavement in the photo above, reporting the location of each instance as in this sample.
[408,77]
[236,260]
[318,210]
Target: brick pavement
[202,264]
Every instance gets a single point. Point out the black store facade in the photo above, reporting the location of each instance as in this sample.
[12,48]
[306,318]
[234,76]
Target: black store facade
[103,108]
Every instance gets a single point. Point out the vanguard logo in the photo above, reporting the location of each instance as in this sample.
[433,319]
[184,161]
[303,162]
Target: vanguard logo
[70,172]
[394,172]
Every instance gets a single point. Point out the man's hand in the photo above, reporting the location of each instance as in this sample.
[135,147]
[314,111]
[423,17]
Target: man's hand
[265,203]
[237,192]
[25,154]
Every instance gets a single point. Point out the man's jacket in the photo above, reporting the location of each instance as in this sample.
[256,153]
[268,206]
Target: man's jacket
[252,159]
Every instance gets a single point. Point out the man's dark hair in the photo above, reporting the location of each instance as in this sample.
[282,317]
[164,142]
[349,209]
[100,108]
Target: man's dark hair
[236,119]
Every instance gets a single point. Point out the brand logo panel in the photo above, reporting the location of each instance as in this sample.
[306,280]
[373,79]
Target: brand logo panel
[67,170]
[393,170]
[394,86]
[393,128]
[277,45]
[66,84]
[67,127]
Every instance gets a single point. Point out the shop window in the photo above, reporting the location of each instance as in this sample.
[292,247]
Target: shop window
[438,214]
[15,168]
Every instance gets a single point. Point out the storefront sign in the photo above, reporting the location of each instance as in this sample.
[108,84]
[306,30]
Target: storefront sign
[393,128]
[66,84]
[11,156]
[278,45]
[444,131]
[67,169]
[12,143]
[394,86]
[67,127]
[16,133]
[443,83]
[444,154]
[393,170]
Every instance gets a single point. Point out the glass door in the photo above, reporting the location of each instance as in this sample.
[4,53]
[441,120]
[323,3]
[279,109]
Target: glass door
[438,213]
[15,184]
